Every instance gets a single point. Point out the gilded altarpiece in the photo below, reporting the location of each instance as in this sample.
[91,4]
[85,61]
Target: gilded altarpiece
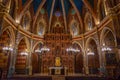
[57,40]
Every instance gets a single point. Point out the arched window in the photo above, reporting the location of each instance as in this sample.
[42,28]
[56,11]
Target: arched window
[26,22]
[89,22]
[74,29]
[40,29]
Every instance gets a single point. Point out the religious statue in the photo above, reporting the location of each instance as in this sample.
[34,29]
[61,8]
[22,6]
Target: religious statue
[57,61]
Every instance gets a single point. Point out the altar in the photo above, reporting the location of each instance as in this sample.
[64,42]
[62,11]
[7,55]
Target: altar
[57,70]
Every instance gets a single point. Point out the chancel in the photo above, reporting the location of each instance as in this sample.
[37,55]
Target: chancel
[59,39]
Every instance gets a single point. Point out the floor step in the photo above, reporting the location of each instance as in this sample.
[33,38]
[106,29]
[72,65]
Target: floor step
[58,77]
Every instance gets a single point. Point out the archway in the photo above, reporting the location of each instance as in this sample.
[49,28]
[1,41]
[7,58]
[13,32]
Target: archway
[6,50]
[78,59]
[92,57]
[108,48]
[36,59]
[22,55]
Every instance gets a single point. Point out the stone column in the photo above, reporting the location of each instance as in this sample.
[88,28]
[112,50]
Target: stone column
[29,66]
[86,68]
[85,58]
[14,54]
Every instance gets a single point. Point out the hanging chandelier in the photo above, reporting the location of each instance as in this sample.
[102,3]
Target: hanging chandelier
[106,49]
[90,53]
[38,50]
[7,48]
[71,49]
[24,53]
[45,48]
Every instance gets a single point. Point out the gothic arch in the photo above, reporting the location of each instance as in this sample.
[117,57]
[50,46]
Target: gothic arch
[92,56]
[79,58]
[102,35]
[12,34]
[26,41]
[75,42]
[36,45]
[36,58]
[88,40]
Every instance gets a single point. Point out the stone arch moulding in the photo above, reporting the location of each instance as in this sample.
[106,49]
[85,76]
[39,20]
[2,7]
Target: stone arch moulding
[102,33]
[75,42]
[26,41]
[92,59]
[87,42]
[36,45]
[12,34]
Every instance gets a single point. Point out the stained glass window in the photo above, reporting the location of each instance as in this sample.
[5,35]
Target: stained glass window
[74,29]
[40,29]
[57,14]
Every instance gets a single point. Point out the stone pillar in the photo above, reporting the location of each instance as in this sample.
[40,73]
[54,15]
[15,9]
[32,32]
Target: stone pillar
[86,66]
[85,58]
[30,58]
[101,56]
[14,54]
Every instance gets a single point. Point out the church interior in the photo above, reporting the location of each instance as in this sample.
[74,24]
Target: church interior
[59,39]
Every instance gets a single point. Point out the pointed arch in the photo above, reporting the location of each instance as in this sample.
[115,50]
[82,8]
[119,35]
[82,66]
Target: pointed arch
[88,40]
[44,26]
[26,41]
[12,34]
[36,45]
[76,42]
[92,55]
[103,33]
